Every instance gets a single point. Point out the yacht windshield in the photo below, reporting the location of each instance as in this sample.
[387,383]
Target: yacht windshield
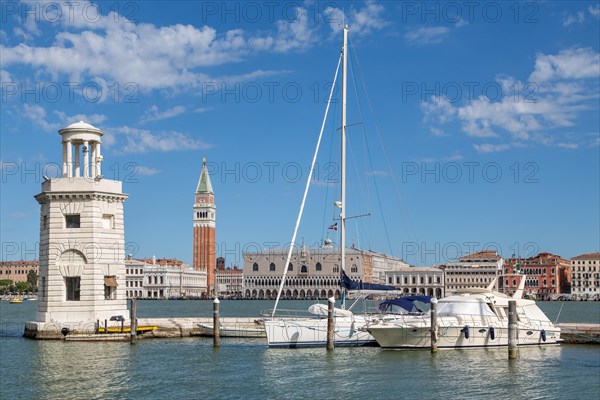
[457,308]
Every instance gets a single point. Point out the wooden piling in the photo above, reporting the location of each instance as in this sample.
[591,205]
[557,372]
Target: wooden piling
[434,338]
[513,350]
[216,333]
[106,327]
[330,313]
[133,321]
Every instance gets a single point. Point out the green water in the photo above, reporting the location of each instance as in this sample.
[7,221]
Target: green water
[191,368]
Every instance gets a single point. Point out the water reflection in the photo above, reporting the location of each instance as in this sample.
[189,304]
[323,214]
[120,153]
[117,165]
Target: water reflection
[82,370]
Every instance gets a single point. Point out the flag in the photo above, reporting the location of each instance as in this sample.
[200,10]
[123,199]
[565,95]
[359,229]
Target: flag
[333,227]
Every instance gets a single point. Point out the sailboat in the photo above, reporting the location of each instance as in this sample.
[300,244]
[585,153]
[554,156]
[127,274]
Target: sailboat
[312,331]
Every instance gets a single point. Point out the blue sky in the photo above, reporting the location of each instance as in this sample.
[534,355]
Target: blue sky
[476,124]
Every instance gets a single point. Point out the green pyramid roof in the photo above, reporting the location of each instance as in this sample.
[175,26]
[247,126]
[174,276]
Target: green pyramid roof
[204,185]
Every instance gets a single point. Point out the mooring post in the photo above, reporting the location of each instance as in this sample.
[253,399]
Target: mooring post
[216,333]
[97,327]
[434,346]
[133,321]
[512,330]
[330,344]
[106,327]
[122,325]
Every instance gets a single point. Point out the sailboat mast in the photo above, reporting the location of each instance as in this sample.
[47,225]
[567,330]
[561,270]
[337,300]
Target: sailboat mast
[343,157]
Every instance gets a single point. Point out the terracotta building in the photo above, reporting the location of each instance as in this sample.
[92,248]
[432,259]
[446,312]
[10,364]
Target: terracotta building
[546,275]
[17,271]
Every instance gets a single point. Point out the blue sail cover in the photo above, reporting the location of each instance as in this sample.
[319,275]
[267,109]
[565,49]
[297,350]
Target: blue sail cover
[360,285]
[406,303]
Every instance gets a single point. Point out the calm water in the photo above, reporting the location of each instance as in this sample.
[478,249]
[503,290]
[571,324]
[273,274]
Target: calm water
[191,368]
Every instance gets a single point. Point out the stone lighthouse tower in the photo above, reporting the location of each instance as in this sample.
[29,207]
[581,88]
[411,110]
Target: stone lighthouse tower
[82,273]
[205,213]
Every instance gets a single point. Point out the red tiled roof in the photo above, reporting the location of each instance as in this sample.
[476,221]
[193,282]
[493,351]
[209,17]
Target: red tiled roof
[587,256]
[482,255]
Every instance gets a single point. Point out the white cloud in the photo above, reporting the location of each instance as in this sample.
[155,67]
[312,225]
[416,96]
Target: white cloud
[296,34]
[594,10]
[490,148]
[437,131]
[561,87]
[571,19]
[142,141]
[147,171]
[439,109]
[153,114]
[149,56]
[362,21]
[568,64]
[5,76]
[37,114]
[426,35]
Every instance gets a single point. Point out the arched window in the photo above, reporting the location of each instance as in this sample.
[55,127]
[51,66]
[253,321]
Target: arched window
[290,267]
[318,267]
[354,268]
[304,269]
[272,267]
[336,268]
[255,267]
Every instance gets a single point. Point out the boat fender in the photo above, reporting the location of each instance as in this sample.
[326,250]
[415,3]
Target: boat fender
[64,331]
[543,334]
[465,330]
[492,333]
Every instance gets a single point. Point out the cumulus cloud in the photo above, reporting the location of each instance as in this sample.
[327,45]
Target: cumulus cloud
[154,114]
[135,140]
[578,18]
[426,35]
[146,171]
[560,88]
[362,21]
[113,49]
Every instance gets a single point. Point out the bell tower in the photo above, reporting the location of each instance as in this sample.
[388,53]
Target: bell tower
[205,213]
[82,272]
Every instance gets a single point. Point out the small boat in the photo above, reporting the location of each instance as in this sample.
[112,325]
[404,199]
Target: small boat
[473,318]
[246,330]
[127,329]
[15,301]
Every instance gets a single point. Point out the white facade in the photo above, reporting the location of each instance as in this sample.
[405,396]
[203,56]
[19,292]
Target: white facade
[585,276]
[475,270]
[314,273]
[148,281]
[82,276]
[427,281]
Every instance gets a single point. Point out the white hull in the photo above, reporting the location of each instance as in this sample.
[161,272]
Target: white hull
[451,334]
[240,331]
[312,332]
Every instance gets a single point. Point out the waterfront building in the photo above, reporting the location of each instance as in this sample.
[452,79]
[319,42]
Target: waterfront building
[17,271]
[81,272]
[229,282]
[476,270]
[163,279]
[313,273]
[205,213]
[546,275]
[585,276]
[427,281]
